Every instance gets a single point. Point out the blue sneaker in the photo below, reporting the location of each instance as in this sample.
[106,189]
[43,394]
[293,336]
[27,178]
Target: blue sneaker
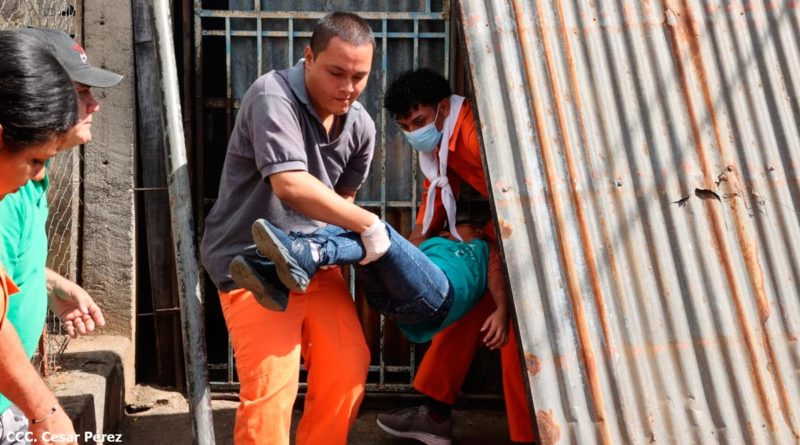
[260,277]
[292,254]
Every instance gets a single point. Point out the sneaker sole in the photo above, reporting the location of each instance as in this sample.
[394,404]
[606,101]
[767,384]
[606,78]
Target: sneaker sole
[426,438]
[245,277]
[272,248]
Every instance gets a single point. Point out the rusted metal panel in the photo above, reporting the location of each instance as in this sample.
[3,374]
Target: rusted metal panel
[644,162]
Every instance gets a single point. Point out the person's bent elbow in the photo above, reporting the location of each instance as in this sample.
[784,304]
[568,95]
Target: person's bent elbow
[287,186]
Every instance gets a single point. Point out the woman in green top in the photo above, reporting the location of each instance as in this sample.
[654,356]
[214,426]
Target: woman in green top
[37,107]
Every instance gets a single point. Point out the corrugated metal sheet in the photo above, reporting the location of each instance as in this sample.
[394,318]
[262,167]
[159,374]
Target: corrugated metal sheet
[644,160]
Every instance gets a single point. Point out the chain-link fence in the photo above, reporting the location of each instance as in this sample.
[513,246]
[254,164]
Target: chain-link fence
[63,225]
[58,14]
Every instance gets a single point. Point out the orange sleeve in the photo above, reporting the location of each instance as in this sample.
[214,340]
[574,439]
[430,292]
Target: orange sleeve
[7,287]
[495,282]
[471,154]
[426,184]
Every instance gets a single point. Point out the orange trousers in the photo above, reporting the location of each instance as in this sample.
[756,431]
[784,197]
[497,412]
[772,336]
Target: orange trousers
[444,368]
[320,324]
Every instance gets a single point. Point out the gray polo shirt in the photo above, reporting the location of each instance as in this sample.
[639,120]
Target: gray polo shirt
[278,130]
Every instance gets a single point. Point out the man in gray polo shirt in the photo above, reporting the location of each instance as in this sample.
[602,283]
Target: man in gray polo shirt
[299,151]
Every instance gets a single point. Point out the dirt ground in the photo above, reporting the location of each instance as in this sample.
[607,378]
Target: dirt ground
[158,416]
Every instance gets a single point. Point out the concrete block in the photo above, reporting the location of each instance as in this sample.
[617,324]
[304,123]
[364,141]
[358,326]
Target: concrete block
[108,260]
[96,375]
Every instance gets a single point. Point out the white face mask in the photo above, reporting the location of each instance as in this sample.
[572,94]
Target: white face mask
[425,139]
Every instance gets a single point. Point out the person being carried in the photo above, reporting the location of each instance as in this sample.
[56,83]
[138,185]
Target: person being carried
[424,289]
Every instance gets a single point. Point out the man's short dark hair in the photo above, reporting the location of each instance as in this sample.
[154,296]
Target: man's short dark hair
[345,25]
[414,88]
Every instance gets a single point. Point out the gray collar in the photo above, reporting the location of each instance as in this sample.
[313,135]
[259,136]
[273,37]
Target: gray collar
[297,81]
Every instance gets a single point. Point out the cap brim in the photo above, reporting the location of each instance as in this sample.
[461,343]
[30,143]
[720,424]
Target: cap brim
[95,77]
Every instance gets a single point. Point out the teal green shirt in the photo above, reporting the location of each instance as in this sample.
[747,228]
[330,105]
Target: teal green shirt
[465,265]
[23,216]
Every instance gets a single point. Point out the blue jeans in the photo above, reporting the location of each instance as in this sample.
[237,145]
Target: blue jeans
[403,284]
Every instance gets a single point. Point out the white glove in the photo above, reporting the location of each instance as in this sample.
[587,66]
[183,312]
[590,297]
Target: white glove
[376,241]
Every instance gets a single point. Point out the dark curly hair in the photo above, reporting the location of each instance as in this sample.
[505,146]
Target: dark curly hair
[37,97]
[414,88]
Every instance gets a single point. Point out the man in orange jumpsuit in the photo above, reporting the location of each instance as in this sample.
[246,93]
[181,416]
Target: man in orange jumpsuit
[301,148]
[441,127]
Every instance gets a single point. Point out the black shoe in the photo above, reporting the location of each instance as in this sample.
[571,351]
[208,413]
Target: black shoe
[261,278]
[291,254]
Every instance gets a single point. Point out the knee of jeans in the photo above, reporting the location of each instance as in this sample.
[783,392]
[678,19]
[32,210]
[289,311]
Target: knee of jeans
[415,311]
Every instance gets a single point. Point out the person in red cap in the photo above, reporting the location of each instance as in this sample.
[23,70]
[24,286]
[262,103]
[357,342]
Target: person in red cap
[24,216]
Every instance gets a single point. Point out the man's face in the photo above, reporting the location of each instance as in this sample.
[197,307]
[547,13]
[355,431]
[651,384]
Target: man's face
[81,132]
[336,76]
[423,115]
[19,166]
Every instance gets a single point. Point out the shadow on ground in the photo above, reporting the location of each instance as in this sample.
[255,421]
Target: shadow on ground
[164,419]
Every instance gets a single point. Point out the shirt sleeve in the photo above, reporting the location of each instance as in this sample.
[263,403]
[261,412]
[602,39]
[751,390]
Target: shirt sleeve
[275,134]
[10,232]
[7,288]
[495,267]
[9,245]
[357,168]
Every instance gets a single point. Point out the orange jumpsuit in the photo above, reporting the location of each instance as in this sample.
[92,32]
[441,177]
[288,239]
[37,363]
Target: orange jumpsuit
[322,326]
[455,346]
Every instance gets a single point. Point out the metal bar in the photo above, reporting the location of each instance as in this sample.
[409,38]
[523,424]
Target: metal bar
[149,189]
[258,37]
[384,66]
[192,311]
[290,33]
[399,204]
[228,76]
[372,368]
[157,312]
[446,49]
[230,366]
[415,36]
[390,368]
[316,15]
[199,151]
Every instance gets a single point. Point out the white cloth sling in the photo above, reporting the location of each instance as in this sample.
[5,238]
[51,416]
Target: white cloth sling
[436,172]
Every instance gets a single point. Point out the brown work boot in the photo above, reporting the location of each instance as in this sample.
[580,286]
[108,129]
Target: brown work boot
[416,423]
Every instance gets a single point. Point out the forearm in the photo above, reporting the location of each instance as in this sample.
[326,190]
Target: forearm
[495,282]
[52,278]
[498,291]
[19,381]
[310,197]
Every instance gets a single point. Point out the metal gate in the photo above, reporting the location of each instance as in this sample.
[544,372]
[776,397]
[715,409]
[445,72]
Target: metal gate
[237,41]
